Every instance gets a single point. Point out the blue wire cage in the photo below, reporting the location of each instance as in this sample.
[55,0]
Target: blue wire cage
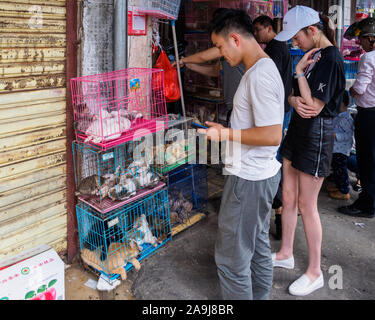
[116,174]
[351,68]
[188,192]
[109,243]
[296,55]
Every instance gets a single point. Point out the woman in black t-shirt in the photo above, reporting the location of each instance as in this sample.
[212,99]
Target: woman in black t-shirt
[318,86]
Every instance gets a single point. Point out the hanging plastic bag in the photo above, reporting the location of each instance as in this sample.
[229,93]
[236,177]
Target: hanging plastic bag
[171,85]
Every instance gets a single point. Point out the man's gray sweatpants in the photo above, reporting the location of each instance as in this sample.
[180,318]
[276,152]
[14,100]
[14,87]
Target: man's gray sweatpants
[242,250]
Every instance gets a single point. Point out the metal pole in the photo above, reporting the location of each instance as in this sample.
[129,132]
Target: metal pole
[340,22]
[178,67]
[120,35]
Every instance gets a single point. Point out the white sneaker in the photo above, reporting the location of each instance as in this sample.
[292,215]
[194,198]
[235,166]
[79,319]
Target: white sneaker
[286,263]
[303,285]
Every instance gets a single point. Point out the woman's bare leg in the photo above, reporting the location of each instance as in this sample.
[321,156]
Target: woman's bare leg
[309,188]
[290,210]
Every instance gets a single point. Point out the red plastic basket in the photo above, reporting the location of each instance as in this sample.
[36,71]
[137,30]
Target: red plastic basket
[118,106]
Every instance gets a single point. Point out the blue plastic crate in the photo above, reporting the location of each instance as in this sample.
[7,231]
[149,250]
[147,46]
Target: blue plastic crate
[107,241]
[187,188]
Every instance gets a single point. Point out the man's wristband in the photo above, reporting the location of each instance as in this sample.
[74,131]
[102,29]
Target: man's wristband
[300,75]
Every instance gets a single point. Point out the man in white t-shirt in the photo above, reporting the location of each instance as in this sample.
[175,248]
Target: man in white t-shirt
[242,250]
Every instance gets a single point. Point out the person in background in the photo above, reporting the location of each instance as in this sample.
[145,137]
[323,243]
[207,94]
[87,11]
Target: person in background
[265,33]
[318,87]
[363,91]
[242,248]
[231,76]
[343,128]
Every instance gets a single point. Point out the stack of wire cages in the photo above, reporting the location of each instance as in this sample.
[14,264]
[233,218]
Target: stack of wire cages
[205,110]
[110,179]
[116,242]
[122,197]
[195,82]
[174,147]
[199,14]
[213,110]
[118,106]
[162,9]
[188,192]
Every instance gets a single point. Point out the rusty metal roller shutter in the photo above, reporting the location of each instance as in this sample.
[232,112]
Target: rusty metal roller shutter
[32,125]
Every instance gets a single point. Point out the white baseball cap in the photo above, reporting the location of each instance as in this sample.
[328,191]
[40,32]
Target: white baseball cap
[295,19]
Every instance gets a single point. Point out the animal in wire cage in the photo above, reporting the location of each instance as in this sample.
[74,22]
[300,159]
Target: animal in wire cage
[116,174]
[127,234]
[100,237]
[122,254]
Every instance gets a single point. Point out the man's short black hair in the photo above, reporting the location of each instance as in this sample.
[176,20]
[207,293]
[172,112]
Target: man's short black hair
[228,20]
[265,21]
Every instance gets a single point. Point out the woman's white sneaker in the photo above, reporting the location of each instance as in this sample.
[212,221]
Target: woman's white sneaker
[303,285]
[286,263]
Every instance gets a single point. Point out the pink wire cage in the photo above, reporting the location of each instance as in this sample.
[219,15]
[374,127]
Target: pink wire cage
[118,106]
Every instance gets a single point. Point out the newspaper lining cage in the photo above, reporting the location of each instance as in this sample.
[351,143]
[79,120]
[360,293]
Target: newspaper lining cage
[118,106]
[188,192]
[117,242]
[109,179]
[163,9]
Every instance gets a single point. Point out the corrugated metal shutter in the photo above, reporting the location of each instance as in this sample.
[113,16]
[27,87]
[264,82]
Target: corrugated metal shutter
[32,125]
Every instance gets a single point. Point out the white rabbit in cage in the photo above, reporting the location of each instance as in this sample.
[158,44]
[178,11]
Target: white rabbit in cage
[124,122]
[112,125]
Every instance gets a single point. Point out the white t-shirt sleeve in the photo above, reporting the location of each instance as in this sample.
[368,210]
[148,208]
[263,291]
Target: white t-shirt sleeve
[267,97]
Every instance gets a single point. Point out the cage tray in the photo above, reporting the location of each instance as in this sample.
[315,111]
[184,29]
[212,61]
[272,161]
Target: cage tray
[107,205]
[140,128]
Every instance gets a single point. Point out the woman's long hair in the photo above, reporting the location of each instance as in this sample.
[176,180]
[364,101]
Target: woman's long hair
[327,27]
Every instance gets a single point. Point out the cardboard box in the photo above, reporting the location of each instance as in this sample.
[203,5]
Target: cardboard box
[37,274]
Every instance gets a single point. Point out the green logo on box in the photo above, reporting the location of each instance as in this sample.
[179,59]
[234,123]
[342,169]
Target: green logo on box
[25,271]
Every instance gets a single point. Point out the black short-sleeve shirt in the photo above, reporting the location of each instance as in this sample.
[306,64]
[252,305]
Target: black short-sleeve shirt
[326,79]
[278,51]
